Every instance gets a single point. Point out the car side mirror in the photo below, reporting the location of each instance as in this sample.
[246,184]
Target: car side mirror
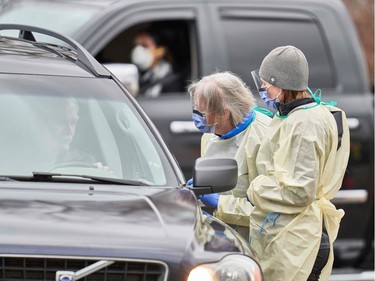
[127,73]
[214,175]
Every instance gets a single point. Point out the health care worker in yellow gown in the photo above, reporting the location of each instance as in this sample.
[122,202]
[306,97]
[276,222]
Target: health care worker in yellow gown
[222,110]
[301,162]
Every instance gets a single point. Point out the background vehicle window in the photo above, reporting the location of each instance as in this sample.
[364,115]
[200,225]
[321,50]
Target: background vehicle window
[174,35]
[248,41]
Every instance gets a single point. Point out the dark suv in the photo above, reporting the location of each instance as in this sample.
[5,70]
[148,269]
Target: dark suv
[88,188]
[210,35]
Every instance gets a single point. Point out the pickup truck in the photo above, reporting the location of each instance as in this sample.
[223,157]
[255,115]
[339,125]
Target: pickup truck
[211,35]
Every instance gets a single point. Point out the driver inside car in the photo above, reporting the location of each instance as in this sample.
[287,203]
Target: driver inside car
[58,134]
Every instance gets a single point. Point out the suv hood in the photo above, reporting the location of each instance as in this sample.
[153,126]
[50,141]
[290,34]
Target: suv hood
[95,220]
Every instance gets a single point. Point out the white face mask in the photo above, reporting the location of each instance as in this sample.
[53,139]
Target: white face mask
[142,57]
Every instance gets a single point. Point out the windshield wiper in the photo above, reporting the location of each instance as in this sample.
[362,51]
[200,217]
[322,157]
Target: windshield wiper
[49,176]
[46,176]
[6,178]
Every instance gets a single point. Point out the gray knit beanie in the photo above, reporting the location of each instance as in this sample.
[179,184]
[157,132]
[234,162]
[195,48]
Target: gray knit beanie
[285,67]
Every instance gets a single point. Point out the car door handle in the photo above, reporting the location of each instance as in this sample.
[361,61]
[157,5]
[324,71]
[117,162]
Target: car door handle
[350,196]
[180,127]
[353,123]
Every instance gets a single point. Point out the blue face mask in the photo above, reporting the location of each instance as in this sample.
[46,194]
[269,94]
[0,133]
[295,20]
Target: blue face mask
[271,103]
[200,122]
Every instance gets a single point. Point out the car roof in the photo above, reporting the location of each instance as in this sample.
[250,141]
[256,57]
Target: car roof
[20,64]
[25,55]
[21,57]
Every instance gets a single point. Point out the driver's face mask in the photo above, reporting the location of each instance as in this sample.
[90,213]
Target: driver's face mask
[142,57]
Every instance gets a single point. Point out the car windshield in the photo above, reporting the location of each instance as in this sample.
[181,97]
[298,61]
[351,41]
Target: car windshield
[62,17]
[80,126]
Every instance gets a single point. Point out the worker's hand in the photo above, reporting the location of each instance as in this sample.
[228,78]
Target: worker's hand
[210,200]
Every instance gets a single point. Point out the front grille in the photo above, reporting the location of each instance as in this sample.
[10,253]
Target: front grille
[44,269]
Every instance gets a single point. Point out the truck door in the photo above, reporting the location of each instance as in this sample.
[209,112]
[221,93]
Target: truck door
[111,41]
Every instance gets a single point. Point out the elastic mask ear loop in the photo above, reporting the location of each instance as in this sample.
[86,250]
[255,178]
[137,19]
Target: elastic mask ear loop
[317,97]
[263,110]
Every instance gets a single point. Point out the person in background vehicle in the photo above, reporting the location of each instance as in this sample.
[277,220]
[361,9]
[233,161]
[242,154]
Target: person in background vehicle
[154,60]
[224,110]
[301,162]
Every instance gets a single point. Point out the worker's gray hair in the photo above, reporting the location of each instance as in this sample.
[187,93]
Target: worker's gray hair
[224,91]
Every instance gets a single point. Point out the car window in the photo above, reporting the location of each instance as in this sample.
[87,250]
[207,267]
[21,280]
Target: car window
[83,126]
[249,40]
[174,35]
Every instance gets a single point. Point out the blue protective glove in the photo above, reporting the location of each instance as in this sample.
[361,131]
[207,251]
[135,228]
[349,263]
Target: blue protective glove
[190,182]
[210,200]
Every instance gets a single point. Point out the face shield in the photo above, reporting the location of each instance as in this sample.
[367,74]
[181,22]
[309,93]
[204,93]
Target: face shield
[192,101]
[257,84]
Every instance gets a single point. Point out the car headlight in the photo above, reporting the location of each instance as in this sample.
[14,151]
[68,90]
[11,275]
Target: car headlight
[231,268]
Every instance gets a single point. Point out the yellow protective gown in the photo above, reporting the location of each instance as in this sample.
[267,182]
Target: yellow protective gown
[300,169]
[233,207]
